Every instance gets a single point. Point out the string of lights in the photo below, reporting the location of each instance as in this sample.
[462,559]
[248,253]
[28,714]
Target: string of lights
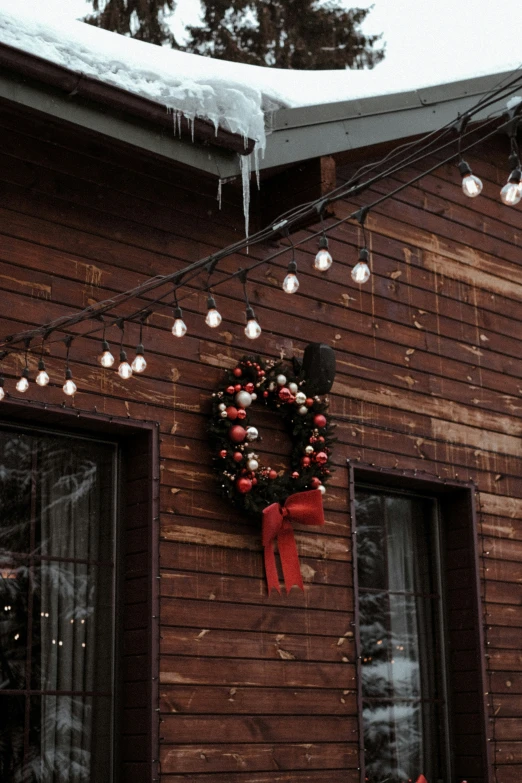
[102,312]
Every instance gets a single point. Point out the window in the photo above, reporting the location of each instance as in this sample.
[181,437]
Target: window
[401,634]
[418,629]
[57,582]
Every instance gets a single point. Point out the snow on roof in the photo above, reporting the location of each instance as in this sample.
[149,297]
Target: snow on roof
[231,95]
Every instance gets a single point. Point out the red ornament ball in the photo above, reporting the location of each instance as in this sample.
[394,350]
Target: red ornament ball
[243,485]
[305,462]
[309,402]
[232,412]
[295,474]
[265,393]
[237,434]
[241,414]
[285,394]
[237,456]
[223,453]
[313,439]
[315,482]
[237,387]
[272,474]
[229,390]
[320,439]
[254,482]
[260,373]
[237,372]
[321,458]
[250,388]
[319,420]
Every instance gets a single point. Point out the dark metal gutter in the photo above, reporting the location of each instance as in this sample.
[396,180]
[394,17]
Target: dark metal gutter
[78,84]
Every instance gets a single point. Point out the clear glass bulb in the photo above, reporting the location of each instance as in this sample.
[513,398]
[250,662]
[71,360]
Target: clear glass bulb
[70,387]
[179,328]
[139,364]
[124,370]
[361,272]
[42,379]
[2,393]
[290,283]
[323,260]
[213,318]
[22,384]
[106,359]
[252,329]
[511,193]
[471,186]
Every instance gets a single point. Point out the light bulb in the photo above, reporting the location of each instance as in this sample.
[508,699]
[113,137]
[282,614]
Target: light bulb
[511,193]
[69,386]
[106,358]
[213,318]
[323,259]
[252,329]
[471,185]
[42,379]
[179,328]
[139,364]
[124,369]
[290,283]
[361,270]
[2,392]
[23,382]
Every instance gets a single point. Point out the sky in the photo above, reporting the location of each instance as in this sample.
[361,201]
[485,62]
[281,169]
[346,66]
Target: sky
[434,37]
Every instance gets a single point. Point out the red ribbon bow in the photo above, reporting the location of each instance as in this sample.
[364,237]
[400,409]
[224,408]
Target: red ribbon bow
[303,508]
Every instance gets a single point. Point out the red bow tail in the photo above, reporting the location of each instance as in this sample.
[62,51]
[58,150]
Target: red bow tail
[304,508]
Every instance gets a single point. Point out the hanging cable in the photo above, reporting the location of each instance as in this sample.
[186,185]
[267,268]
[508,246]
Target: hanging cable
[42,378]
[323,260]
[471,185]
[291,281]
[23,382]
[179,327]
[124,368]
[139,364]
[69,386]
[106,359]
[511,193]
[213,317]
[361,270]
[252,328]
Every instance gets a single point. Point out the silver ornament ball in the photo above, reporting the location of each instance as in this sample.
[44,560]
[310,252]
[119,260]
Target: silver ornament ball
[281,380]
[223,414]
[303,410]
[309,450]
[243,399]
[222,406]
[321,488]
[293,387]
[300,398]
[252,464]
[252,433]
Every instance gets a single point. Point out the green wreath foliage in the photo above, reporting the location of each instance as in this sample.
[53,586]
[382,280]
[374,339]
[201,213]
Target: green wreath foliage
[311,444]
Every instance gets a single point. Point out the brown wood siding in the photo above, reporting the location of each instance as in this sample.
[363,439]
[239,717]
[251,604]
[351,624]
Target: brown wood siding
[255,688]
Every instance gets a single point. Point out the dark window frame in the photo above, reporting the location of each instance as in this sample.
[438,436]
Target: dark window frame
[457,499]
[134,438]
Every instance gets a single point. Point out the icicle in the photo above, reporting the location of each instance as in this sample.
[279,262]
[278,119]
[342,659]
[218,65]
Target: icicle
[245,164]
[192,127]
[256,166]
[219,193]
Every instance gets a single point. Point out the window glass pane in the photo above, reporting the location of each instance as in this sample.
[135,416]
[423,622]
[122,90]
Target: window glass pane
[56,608]
[13,626]
[399,626]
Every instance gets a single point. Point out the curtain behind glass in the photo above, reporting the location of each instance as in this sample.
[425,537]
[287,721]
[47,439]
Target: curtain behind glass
[56,545]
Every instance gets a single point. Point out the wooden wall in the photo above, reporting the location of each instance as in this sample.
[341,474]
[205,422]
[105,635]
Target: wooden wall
[258,689]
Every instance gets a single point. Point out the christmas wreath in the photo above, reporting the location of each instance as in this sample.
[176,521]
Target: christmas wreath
[277,497]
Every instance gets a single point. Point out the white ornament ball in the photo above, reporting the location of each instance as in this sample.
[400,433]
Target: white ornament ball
[222,406]
[243,399]
[300,398]
[254,396]
[271,386]
[321,488]
[252,433]
[252,464]
[293,387]
[223,414]
[309,450]
[303,410]
[281,380]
